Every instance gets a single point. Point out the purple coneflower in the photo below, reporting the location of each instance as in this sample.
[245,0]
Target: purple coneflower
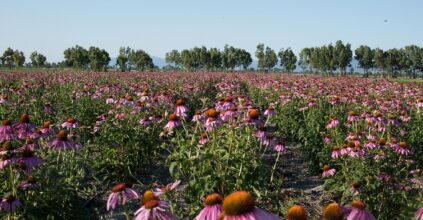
[181,109]
[174,122]
[47,108]
[355,188]
[296,212]
[197,117]
[154,210]
[110,100]
[212,209]
[261,132]
[6,131]
[25,127]
[167,188]
[358,212]
[4,100]
[336,152]
[203,139]
[6,160]
[328,138]
[345,150]
[241,206]
[145,121]
[352,117]
[335,211]
[9,203]
[270,111]
[61,141]
[419,214]
[333,122]
[70,123]
[120,193]
[402,149]
[254,116]
[29,183]
[328,171]
[280,147]
[28,161]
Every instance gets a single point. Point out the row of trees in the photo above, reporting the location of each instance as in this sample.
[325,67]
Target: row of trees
[407,60]
[201,58]
[324,59]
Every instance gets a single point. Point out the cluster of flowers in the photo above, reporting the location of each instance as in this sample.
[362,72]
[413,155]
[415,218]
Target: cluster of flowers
[31,138]
[239,205]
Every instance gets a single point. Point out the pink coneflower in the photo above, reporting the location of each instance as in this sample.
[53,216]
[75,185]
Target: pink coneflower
[296,212]
[203,139]
[382,142]
[270,111]
[45,131]
[128,100]
[269,140]
[29,183]
[328,138]
[352,117]
[212,209]
[356,152]
[358,212]
[261,132]
[402,149]
[9,203]
[241,206]
[145,121]
[197,117]
[61,141]
[174,122]
[229,115]
[328,171]
[6,131]
[167,188]
[29,144]
[345,150]
[25,127]
[228,103]
[6,160]
[335,211]
[4,100]
[120,193]
[333,123]
[181,109]
[334,100]
[280,147]
[110,100]
[47,108]
[157,118]
[336,152]
[419,214]
[154,210]
[28,161]
[370,144]
[254,116]
[70,123]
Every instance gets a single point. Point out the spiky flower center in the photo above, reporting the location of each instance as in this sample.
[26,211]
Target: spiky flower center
[180,102]
[5,97]
[382,141]
[119,187]
[173,117]
[46,124]
[212,113]
[238,203]
[356,185]
[27,153]
[403,144]
[151,204]
[7,123]
[24,118]
[254,113]
[213,199]
[7,146]
[71,120]
[148,196]
[297,212]
[352,113]
[335,149]
[228,99]
[9,197]
[333,212]
[358,204]
[326,168]
[204,135]
[62,135]
[30,179]
[129,98]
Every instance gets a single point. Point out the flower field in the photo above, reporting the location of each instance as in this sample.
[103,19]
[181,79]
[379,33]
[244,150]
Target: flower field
[79,145]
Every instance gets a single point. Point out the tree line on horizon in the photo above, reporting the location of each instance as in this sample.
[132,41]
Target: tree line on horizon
[326,59]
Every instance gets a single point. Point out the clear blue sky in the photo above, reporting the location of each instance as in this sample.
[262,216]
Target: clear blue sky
[157,26]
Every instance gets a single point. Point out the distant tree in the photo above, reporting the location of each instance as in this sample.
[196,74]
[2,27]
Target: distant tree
[122,61]
[99,59]
[187,60]
[141,60]
[392,61]
[287,59]
[215,59]
[204,58]
[364,56]
[379,59]
[7,58]
[37,59]
[267,58]
[229,58]
[174,57]
[305,59]
[18,58]
[76,57]
[243,58]
[415,57]
[343,54]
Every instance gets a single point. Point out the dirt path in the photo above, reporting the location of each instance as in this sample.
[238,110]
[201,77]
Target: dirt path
[301,185]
